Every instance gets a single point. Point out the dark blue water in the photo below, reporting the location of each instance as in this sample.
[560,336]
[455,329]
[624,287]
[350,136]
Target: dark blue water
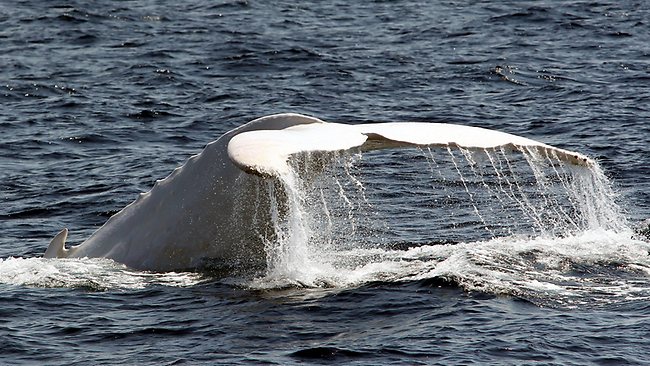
[100,100]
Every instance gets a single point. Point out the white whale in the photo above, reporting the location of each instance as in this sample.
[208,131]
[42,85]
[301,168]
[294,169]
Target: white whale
[204,210]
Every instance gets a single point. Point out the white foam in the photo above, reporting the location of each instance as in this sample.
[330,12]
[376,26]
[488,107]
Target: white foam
[96,274]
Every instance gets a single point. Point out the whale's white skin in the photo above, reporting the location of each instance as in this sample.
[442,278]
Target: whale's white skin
[267,151]
[204,211]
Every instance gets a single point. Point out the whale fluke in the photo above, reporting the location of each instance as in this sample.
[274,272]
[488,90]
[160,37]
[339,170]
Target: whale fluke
[203,210]
[267,151]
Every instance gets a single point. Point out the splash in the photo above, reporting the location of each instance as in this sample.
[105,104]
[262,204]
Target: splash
[490,220]
[88,274]
[288,254]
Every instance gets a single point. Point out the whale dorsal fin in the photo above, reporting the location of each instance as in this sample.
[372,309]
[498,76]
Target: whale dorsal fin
[57,249]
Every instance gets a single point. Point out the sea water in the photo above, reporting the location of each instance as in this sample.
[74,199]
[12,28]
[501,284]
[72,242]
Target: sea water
[407,258]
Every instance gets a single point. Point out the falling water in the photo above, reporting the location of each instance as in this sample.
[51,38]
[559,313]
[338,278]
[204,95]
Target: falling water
[292,231]
[471,215]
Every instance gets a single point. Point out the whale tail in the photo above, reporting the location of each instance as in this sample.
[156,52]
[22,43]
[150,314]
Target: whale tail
[57,249]
[267,152]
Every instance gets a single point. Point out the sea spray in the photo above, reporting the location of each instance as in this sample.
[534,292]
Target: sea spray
[597,200]
[89,274]
[490,220]
[294,252]
[310,218]
[287,255]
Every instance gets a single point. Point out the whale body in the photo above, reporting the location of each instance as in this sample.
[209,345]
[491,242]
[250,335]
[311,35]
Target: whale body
[212,208]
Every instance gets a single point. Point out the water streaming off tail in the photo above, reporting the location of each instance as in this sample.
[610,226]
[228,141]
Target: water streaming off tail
[419,196]
[485,219]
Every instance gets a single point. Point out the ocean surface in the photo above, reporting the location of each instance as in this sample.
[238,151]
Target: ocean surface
[415,256]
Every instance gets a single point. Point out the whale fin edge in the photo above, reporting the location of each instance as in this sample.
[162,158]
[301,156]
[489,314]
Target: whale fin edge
[266,152]
[57,249]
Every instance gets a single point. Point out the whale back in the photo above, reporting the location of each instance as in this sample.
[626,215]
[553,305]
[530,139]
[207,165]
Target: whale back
[203,209]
